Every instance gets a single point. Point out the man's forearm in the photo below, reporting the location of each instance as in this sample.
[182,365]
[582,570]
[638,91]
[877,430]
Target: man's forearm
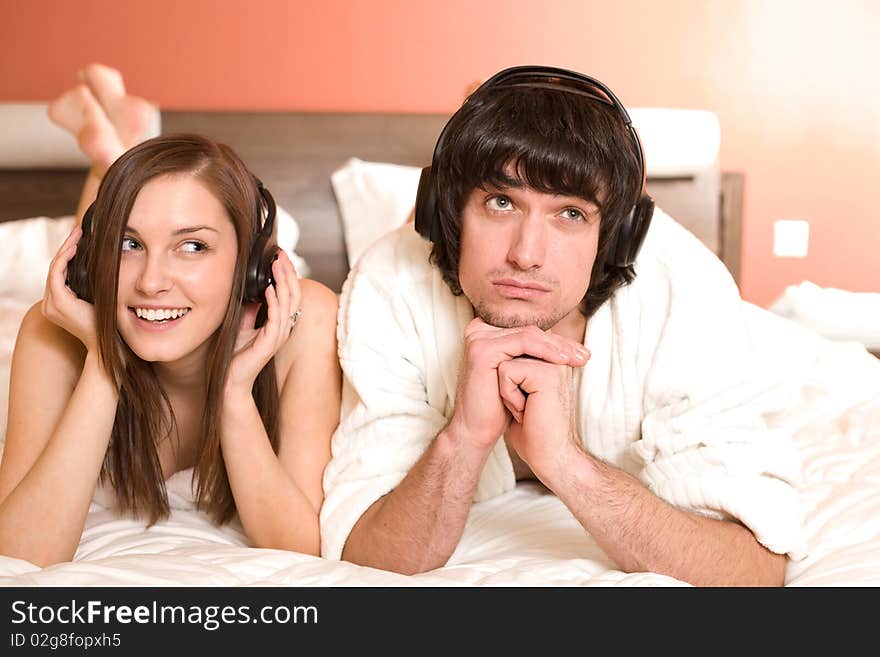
[416,527]
[643,533]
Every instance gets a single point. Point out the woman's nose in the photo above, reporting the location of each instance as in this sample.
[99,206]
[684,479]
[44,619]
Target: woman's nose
[154,276]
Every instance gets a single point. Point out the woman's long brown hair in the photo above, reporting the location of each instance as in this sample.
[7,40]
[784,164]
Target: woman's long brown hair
[144,416]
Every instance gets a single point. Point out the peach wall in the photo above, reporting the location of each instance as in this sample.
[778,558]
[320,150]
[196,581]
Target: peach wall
[794,82]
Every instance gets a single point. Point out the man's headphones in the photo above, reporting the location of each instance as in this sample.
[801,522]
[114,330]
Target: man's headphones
[632,230]
[258,273]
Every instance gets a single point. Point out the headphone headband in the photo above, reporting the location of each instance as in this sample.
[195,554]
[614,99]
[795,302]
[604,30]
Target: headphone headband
[560,79]
[268,226]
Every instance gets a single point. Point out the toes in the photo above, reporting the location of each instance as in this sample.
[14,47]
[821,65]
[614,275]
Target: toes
[105,82]
[130,115]
[71,108]
[78,112]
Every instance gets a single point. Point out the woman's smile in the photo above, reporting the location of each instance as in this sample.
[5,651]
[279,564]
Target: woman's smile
[158,319]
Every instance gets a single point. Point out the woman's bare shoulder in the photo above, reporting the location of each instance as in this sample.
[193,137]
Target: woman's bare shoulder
[319,306]
[319,301]
[314,335]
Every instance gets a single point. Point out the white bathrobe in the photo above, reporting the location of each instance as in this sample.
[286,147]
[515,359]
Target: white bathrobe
[673,393]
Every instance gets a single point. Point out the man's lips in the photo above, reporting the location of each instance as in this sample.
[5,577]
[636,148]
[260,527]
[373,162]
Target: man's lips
[514,289]
[529,285]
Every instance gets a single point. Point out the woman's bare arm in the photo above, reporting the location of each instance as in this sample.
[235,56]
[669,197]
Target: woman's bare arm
[61,411]
[279,498]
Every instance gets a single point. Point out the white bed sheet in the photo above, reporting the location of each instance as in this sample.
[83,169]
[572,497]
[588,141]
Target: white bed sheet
[524,538]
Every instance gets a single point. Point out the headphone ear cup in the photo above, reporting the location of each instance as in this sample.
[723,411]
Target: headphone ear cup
[427,220]
[77,267]
[631,234]
[642,214]
[259,270]
[264,250]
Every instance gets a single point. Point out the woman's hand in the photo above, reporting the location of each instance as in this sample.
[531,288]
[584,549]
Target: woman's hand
[61,305]
[255,347]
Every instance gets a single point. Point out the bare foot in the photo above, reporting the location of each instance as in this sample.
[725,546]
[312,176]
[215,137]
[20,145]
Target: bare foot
[130,115]
[78,112]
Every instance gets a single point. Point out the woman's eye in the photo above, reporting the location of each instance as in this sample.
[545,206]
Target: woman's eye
[130,244]
[194,247]
[499,203]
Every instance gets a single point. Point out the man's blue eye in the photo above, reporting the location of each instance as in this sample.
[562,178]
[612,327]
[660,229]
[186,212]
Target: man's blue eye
[499,203]
[573,214]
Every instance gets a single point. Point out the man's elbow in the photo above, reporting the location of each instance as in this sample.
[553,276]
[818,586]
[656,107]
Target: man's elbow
[370,544]
[385,560]
[774,572]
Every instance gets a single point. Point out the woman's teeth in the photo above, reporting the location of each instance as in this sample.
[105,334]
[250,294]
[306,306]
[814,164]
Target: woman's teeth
[160,315]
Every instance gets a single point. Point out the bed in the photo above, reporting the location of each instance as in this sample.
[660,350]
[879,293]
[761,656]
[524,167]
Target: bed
[344,179]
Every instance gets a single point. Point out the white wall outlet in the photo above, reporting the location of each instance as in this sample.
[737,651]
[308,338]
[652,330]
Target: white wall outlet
[791,238]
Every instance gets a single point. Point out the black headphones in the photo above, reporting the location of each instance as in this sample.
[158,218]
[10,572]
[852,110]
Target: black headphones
[631,232]
[258,273]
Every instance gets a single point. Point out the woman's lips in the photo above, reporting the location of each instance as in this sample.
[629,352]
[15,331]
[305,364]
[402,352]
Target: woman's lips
[156,326]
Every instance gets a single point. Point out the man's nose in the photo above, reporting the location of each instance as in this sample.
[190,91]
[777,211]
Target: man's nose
[528,248]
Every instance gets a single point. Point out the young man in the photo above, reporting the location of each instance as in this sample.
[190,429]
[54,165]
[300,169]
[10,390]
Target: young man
[524,340]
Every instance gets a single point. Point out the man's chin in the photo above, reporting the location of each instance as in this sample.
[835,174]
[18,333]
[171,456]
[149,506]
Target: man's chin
[502,319]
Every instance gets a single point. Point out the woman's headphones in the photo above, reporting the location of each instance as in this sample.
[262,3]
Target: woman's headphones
[632,230]
[258,273]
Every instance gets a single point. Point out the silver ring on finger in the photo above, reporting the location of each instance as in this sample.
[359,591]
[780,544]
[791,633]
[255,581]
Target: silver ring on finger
[294,318]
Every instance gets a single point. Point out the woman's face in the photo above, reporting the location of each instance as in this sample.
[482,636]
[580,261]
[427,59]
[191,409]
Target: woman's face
[176,269]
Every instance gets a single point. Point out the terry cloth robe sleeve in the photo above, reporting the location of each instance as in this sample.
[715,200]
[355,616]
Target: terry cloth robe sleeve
[400,342]
[706,444]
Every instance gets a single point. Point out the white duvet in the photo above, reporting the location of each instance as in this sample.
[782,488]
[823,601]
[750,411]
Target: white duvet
[523,538]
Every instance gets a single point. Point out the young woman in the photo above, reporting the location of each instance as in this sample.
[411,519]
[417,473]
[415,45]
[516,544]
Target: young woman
[170,367]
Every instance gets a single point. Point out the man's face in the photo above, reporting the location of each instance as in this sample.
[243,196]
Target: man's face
[526,256]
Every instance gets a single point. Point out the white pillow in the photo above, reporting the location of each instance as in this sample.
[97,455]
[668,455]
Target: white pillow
[28,247]
[831,312]
[33,141]
[373,198]
[677,142]
[288,237]
[30,244]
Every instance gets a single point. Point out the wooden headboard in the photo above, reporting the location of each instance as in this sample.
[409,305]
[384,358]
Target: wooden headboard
[295,153]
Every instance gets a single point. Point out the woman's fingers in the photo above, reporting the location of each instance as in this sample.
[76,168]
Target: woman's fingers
[67,249]
[256,347]
[282,288]
[295,288]
[288,291]
[73,236]
[273,317]
[249,316]
[56,282]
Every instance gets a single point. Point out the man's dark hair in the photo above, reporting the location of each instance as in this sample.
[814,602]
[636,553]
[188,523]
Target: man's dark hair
[549,140]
